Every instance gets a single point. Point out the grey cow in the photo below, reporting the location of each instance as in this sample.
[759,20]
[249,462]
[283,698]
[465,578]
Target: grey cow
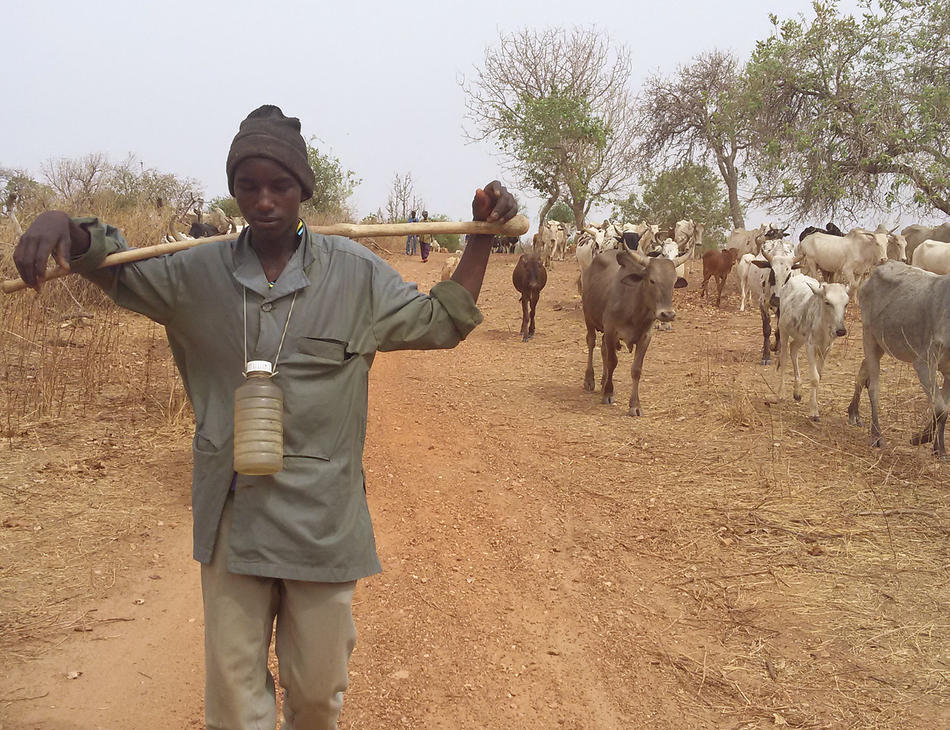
[623,293]
[906,312]
[917,234]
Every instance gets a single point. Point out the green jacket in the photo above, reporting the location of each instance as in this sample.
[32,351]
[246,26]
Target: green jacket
[310,521]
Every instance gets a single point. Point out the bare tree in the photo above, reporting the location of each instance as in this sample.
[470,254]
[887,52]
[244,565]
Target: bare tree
[402,198]
[556,103]
[698,114]
[77,181]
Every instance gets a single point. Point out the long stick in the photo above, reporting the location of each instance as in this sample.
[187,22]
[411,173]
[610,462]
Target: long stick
[514,227]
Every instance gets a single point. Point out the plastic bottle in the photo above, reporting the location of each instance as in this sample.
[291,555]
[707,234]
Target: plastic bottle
[258,422]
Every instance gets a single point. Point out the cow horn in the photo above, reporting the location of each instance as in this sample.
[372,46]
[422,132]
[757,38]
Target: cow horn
[680,260]
[891,232]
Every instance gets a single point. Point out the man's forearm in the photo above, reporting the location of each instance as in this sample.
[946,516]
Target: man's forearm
[471,269]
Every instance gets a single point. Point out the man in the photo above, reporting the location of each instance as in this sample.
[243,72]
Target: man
[292,545]
[412,239]
[425,240]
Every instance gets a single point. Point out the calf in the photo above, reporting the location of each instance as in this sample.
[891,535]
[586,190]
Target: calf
[812,314]
[717,264]
[624,292]
[906,313]
[529,278]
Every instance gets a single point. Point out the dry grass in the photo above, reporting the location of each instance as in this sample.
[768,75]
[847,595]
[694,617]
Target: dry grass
[86,391]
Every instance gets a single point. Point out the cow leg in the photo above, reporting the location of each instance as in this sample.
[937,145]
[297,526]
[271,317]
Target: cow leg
[524,317]
[702,290]
[589,374]
[938,406]
[815,363]
[535,293]
[860,383]
[742,293]
[635,370]
[872,356]
[941,419]
[778,328]
[608,349]
[766,332]
[721,280]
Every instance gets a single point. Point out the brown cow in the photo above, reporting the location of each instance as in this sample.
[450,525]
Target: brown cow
[529,278]
[718,264]
[624,292]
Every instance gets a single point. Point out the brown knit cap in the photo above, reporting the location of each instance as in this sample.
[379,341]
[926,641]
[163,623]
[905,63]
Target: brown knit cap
[268,133]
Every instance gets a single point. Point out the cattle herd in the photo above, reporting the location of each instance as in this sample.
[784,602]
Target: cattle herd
[628,273]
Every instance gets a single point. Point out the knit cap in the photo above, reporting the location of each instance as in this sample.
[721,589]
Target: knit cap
[268,133]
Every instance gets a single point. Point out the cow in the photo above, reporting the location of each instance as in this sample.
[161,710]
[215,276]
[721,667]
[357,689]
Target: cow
[917,234]
[550,242]
[688,235]
[852,256]
[529,278]
[448,268]
[670,250]
[777,266]
[830,228]
[504,244]
[933,256]
[751,241]
[624,292]
[906,313]
[202,230]
[717,264]
[812,314]
[755,281]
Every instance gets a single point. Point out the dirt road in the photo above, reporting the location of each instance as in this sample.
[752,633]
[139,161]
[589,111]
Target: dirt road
[548,561]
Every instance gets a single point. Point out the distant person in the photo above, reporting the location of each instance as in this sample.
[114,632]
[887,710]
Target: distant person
[413,239]
[425,239]
[287,548]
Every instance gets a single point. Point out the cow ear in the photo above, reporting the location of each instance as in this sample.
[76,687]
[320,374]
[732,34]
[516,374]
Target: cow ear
[680,283]
[761,264]
[796,266]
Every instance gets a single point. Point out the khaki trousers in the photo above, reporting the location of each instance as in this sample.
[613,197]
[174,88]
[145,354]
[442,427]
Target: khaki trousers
[315,637]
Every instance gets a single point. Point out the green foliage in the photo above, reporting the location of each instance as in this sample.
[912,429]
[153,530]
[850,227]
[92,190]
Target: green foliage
[854,112]
[686,192]
[226,203]
[334,184]
[561,212]
[448,241]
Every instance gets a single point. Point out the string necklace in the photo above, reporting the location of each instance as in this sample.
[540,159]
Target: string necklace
[282,336]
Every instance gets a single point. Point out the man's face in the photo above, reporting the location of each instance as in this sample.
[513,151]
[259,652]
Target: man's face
[268,196]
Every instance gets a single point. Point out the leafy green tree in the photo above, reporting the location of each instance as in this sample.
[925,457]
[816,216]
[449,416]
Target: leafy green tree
[334,184]
[226,203]
[686,192]
[699,114]
[556,103]
[854,112]
[561,212]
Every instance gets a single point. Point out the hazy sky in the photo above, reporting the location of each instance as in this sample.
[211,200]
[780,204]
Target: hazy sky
[376,83]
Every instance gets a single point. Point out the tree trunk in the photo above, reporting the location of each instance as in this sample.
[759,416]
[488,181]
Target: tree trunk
[542,216]
[727,168]
[579,215]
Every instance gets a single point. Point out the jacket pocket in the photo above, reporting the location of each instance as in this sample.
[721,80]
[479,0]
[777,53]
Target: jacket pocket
[323,351]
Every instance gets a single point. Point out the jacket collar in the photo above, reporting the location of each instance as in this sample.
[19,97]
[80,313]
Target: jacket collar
[247,269]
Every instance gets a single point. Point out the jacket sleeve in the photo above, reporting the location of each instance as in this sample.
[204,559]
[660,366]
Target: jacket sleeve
[148,287]
[406,319]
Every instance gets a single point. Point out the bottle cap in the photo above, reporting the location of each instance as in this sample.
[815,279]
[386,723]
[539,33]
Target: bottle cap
[259,366]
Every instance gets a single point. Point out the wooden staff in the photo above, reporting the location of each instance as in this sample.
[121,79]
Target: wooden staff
[514,227]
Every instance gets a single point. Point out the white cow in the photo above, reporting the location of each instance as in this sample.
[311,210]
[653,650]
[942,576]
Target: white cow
[549,240]
[812,315]
[448,268]
[688,235]
[896,244]
[933,256]
[754,280]
[851,256]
